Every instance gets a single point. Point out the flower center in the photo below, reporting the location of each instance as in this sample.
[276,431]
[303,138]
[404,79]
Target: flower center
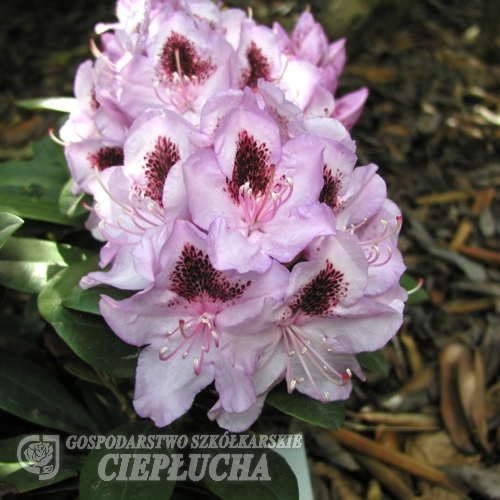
[261,208]
[143,215]
[182,71]
[198,330]
[253,186]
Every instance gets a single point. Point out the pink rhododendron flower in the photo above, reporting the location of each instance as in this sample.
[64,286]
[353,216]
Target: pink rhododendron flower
[182,319]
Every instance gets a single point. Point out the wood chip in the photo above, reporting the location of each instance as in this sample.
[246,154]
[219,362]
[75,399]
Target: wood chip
[390,478]
[478,410]
[440,198]
[412,353]
[341,485]
[461,234]
[415,420]
[451,409]
[399,460]
[483,198]
[469,306]
[480,254]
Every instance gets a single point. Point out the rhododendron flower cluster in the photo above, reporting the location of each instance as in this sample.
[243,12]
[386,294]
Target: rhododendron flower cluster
[225,185]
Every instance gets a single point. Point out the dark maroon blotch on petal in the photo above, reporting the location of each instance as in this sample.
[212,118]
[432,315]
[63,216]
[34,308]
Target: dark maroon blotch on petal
[191,63]
[106,157]
[331,187]
[158,165]
[322,293]
[251,164]
[258,67]
[194,278]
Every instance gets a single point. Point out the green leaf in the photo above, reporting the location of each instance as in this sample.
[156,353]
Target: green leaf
[282,486]
[374,361]
[88,300]
[71,205]
[41,177]
[409,283]
[40,209]
[27,264]
[328,415]
[12,473]
[63,104]
[94,487]
[88,335]
[8,225]
[30,392]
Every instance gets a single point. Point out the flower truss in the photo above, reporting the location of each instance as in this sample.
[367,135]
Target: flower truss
[225,185]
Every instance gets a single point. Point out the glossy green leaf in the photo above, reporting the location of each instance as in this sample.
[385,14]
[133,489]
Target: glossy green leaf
[88,335]
[374,361]
[88,300]
[27,264]
[409,283]
[12,473]
[328,415]
[262,463]
[34,394]
[42,177]
[94,487]
[63,104]
[40,209]
[8,225]
[71,204]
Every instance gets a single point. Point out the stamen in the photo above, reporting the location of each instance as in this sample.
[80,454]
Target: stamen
[299,339]
[181,328]
[385,235]
[134,213]
[98,54]
[417,288]
[388,258]
[215,337]
[56,139]
[200,329]
[284,69]
[268,190]
[100,226]
[356,226]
